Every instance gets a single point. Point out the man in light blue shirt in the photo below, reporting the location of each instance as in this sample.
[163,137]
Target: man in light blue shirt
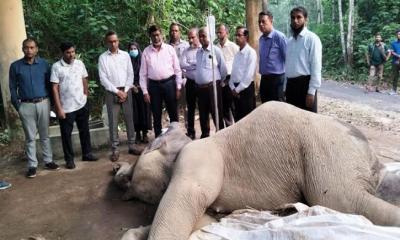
[272,48]
[303,63]
[209,64]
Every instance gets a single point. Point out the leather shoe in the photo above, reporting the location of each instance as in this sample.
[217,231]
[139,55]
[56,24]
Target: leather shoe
[114,156]
[70,165]
[90,157]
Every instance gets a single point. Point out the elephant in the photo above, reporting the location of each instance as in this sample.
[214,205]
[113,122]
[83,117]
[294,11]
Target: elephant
[277,154]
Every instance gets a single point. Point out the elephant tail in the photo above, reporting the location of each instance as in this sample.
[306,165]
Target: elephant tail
[377,210]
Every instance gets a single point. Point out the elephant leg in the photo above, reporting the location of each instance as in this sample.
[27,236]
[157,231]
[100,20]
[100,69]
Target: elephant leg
[195,185]
[140,233]
[123,174]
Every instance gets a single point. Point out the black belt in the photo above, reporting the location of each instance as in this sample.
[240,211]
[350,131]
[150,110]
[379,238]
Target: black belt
[33,100]
[305,77]
[207,84]
[163,80]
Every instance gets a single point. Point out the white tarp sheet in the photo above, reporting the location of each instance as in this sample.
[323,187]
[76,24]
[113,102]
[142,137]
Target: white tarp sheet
[310,223]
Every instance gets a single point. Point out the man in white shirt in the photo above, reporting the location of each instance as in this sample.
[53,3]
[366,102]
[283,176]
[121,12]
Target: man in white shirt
[243,70]
[70,91]
[204,82]
[188,65]
[229,50]
[116,75]
[303,63]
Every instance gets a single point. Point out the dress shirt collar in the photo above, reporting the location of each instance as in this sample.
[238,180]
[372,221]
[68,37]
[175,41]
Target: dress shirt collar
[110,53]
[65,64]
[271,34]
[244,49]
[208,49]
[155,49]
[177,43]
[303,32]
[35,60]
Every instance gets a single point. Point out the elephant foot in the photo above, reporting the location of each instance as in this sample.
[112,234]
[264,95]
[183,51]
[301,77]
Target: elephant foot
[140,233]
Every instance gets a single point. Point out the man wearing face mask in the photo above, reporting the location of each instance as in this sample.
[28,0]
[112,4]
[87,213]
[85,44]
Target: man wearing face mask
[70,91]
[303,63]
[116,75]
[160,78]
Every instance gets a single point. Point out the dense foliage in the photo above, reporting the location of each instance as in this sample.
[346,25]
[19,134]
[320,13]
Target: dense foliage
[84,22]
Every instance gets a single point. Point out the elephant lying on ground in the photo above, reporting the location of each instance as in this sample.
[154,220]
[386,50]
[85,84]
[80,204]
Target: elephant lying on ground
[278,154]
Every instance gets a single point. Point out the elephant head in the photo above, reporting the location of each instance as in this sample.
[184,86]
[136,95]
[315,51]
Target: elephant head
[152,171]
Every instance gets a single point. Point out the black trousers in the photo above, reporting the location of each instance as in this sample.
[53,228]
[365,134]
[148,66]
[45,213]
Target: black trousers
[205,102]
[191,105]
[159,91]
[271,87]
[81,117]
[296,92]
[245,102]
[227,103]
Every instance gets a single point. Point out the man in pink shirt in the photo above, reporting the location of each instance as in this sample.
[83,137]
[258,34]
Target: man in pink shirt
[160,78]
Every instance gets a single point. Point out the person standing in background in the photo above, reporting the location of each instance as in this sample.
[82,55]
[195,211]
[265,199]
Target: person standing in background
[141,109]
[70,91]
[188,64]
[244,68]
[229,49]
[208,64]
[29,81]
[160,78]
[272,49]
[116,75]
[303,63]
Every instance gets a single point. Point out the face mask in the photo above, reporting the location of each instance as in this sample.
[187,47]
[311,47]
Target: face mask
[134,53]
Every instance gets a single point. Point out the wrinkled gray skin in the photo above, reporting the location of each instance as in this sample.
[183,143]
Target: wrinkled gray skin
[278,154]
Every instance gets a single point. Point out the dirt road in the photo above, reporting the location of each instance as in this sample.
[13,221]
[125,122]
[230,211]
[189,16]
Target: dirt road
[85,204]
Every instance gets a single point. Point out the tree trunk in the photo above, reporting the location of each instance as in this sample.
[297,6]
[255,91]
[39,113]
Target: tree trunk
[320,16]
[333,11]
[264,5]
[342,41]
[253,7]
[12,26]
[350,33]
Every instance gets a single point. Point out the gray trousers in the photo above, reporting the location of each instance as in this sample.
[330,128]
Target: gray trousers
[113,110]
[35,118]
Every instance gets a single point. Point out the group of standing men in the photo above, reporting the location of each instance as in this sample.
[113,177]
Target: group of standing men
[142,82]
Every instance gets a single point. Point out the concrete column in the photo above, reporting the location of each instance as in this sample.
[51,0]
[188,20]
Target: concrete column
[253,7]
[12,28]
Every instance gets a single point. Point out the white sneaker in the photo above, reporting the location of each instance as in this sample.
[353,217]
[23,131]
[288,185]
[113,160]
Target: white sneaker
[393,93]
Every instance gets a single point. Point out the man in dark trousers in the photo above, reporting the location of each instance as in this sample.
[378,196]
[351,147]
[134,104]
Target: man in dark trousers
[303,63]
[243,70]
[160,78]
[70,91]
[208,64]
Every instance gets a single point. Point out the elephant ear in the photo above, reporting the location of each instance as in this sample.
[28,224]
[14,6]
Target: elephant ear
[161,140]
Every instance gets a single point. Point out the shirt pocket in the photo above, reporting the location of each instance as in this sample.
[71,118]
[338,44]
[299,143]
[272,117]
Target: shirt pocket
[208,61]
[275,51]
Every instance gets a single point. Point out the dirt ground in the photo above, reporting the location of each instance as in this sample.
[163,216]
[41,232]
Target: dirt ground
[85,204]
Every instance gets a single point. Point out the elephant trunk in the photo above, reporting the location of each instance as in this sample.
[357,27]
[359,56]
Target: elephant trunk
[379,211]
